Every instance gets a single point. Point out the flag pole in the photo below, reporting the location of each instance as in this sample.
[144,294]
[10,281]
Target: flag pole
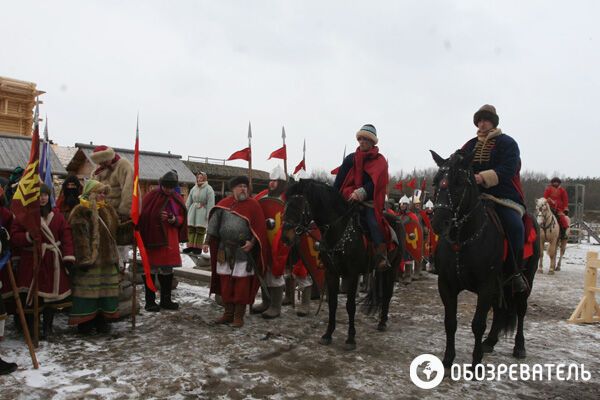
[21,314]
[250,160]
[285,158]
[36,266]
[134,245]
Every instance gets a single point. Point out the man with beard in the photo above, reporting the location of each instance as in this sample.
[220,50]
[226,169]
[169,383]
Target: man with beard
[239,250]
[163,225]
[54,287]
[69,195]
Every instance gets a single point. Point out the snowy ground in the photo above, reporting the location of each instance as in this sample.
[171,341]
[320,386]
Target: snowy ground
[181,355]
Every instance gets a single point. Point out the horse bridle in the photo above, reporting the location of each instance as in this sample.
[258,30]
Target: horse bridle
[457,221]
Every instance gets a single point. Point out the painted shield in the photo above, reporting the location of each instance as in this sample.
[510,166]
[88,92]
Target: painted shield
[311,256]
[414,236]
[273,209]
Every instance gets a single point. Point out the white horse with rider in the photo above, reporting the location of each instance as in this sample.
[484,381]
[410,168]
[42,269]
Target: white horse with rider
[550,233]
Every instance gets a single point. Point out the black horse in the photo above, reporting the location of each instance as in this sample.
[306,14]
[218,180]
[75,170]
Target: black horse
[469,256]
[342,249]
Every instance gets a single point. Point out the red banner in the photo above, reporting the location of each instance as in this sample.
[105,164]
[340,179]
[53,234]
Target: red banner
[279,153]
[243,154]
[412,183]
[335,171]
[301,165]
[398,185]
[25,203]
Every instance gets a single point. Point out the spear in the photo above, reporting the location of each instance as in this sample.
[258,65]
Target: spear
[285,158]
[250,158]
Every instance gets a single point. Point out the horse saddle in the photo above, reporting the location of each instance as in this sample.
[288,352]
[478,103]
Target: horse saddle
[530,231]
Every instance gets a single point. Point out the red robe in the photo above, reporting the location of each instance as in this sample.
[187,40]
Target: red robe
[160,237]
[235,289]
[57,247]
[559,202]
[377,169]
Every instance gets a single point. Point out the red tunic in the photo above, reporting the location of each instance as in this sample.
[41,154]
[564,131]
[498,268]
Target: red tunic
[57,247]
[557,198]
[168,255]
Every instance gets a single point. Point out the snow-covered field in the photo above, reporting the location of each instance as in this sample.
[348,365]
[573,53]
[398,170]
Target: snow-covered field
[181,355]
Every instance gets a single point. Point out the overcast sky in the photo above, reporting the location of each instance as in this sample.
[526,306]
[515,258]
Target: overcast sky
[198,71]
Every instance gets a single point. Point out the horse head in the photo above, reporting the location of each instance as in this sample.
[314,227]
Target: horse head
[296,215]
[455,188]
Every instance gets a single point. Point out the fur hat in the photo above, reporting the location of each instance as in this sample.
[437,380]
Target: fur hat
[368,131]
[488,113]
[170,179]
[101,154]
[556,179]
[238,180]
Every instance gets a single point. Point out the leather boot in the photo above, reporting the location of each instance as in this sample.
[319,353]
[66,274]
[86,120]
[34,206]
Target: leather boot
[274,309]
[86,327]
[381,260]
[47,321]
[6,367]
[303,308]
[166,284]
[102,326]
[518,281]
[238,315]
[290,286]
[264,302]
[227,317]
[150,299]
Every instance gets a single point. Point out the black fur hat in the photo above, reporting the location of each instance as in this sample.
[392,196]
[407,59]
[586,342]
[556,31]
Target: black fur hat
[238,180]
[170,179]
[488,113]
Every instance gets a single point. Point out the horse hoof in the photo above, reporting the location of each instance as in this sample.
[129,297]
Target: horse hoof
[519,353]
[350,346]
[551,272]
[382,327]
[486,348]
[540,271]
[325,341]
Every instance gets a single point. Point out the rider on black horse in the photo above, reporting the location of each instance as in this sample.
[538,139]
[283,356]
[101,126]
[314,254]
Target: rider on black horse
[363,177]
[497,164]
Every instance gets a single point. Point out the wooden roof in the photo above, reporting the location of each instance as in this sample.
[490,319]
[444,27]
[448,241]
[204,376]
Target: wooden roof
[14,152]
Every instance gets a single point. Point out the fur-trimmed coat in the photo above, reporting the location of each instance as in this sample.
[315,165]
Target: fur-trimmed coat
[96,235]
[119,177]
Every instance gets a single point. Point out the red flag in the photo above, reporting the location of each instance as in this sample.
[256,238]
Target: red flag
[423,184]
[301,165]
[243,154]
[135,211]
[279,153]
[25,203]
[398,185]
[335,170]
[412,183]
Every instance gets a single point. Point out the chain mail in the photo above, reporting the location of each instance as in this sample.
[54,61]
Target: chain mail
[232,232]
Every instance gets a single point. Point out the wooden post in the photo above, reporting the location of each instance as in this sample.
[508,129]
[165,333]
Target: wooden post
[36,304]
[21,313]
[133,267]
[588,310]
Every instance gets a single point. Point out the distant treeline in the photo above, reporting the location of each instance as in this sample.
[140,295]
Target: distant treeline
[533,184]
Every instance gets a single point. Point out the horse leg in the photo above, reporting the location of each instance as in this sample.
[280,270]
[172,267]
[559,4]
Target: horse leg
[563,247]
[478,324]
[333,287]
[552,253]
[519,349]
[387,280]
[449,298]
[351,310]
[492,338]
[541,266]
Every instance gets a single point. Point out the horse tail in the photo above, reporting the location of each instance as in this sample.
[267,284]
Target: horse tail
[510,313]
[372,302]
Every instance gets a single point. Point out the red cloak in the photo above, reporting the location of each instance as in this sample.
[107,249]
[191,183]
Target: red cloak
[153,230]
[250,211]
[375,165]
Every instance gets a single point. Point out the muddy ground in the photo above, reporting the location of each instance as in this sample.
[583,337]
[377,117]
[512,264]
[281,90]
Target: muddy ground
[181,355]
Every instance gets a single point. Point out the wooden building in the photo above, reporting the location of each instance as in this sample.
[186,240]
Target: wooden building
[17,101]
[14,152]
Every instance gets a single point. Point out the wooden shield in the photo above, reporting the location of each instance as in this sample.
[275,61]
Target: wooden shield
[273,209]
[414,235]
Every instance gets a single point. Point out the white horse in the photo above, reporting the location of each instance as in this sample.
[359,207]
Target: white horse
[549,233]
[563,243]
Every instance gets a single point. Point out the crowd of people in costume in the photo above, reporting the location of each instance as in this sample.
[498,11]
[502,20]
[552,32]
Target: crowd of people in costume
[86,237]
